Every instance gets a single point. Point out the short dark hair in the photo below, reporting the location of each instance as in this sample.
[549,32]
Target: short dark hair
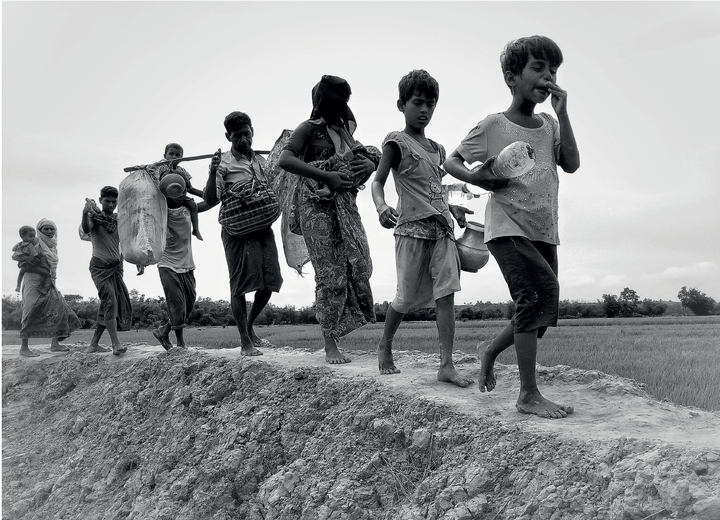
[517,53]
[108,191]
[418,80]
[174,145]
[24,230]
[236,120]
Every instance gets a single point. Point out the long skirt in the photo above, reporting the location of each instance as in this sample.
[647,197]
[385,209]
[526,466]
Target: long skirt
[180,295]
[340,256]
[45,314]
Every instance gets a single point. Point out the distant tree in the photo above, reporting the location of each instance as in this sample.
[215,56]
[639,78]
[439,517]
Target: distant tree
[698,302]
[629,301]
[611,305]
[652,308]
[11,313]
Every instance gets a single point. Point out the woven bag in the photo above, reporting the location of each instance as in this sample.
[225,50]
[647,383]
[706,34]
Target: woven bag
[248,206]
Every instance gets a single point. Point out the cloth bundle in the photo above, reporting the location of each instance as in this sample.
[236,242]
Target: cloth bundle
[142,219]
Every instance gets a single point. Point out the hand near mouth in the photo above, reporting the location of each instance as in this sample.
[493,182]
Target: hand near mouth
[558,99]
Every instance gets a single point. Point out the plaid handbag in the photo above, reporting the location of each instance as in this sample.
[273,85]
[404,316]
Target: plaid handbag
[248,206]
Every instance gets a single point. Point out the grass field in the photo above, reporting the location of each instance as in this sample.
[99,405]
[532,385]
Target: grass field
[677,358]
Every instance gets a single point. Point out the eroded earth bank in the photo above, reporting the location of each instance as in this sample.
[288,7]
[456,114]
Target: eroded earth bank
[192,434]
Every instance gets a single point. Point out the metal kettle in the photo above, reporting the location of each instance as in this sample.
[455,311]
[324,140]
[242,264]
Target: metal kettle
[471,247]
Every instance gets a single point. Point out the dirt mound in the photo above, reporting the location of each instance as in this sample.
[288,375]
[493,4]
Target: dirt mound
[191,434]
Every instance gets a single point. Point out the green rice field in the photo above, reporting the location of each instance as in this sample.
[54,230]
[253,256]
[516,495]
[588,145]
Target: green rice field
[677,358]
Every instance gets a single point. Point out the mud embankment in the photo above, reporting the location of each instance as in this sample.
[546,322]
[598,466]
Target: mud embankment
[190,435]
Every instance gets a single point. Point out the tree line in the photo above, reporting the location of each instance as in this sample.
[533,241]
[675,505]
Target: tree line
[150,312]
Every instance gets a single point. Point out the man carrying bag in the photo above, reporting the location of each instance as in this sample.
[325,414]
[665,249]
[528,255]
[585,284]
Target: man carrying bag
[248,208]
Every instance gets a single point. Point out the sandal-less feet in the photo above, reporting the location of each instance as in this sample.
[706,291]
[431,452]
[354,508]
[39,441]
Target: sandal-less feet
[164,340]
[61,348]
[98,349]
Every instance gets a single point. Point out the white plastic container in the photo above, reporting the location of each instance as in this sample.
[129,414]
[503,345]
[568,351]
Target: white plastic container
[514,160]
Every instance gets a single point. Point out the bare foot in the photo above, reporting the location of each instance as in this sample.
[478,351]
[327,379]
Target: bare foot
[28,353]
[448,374]
[96,349]
[536,404]
[59,348]
[333,354]
[487,372]
[263,343]
[335,357]
[197,234]
[164,340]
[118,349]
[386,363]
[250,350]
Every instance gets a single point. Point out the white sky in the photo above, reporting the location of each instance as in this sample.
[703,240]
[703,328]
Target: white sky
[89,88]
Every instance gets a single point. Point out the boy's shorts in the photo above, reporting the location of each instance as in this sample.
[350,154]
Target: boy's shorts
[427,270]
[530,269]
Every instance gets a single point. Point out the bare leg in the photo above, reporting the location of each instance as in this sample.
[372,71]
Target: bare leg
[502,341]
[262,297]
[180,338]
[333,354]
[445,317]
[192,206]
[161,334]
[95,341]
[117,347]
[25,349]
[55,346]
[239,309]
[531,400]
[386,363]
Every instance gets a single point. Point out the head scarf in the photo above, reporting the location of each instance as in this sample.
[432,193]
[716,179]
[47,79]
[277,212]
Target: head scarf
[50,242]
[330,101]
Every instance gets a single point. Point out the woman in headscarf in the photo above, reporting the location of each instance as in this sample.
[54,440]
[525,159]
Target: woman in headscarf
[333,167]
[45,313]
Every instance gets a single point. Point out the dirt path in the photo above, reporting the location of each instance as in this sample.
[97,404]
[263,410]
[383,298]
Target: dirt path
[606,407]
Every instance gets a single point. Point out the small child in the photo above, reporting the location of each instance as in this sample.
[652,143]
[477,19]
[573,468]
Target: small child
[426,258]
[521,216]
[106,269]
[30,257]
[174,151]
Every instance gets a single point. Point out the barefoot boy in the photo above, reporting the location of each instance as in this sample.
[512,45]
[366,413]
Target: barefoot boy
[426,259]
[106,269]
[521,218]
[175,151]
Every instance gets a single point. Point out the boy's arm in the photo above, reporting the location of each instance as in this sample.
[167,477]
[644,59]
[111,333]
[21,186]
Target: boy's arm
[479,176]
[386,214]
[210,193]
[192,190]
[203,206]
[87,223]
[569,159]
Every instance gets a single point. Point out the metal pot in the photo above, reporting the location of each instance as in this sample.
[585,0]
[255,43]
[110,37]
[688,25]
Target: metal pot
[471,246]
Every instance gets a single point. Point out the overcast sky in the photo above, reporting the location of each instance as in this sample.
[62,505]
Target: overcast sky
[92,87]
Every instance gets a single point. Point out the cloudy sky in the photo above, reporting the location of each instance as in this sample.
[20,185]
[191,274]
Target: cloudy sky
[92,87]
